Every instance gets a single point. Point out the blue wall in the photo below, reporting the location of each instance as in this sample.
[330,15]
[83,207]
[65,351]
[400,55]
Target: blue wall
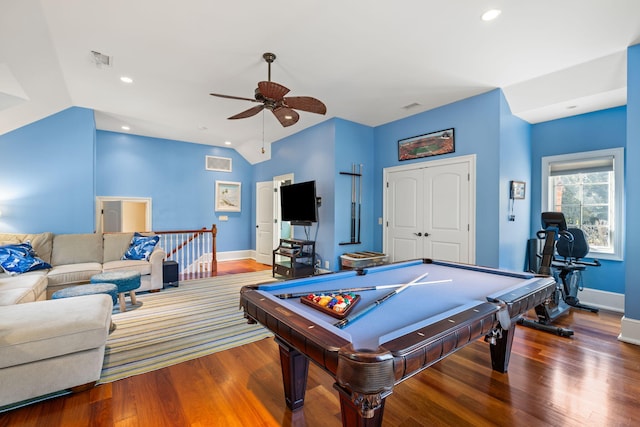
[173,175]
[587,132]
[320,153]
[354,145]
[309,155]
[52,170]
[632,196]
[515,165]
[47,175]
[477,131]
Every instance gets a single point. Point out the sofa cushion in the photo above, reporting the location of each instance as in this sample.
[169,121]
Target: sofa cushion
[13,296]
[143,267]
[73,273]
[115,245]
[27,287]
[76,248]
[141,247]
[47,329]
[20,258]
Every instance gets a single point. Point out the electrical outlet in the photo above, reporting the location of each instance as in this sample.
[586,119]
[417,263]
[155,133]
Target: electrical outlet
[326,265]
[512,217]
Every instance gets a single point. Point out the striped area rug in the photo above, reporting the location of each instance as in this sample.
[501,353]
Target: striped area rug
[178,324]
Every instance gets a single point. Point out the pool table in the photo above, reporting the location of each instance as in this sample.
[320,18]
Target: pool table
[449,306]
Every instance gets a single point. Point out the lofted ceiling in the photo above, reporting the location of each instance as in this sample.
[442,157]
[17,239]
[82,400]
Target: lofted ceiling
[369,61]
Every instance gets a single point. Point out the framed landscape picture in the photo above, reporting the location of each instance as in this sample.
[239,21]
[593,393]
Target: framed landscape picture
[228,196]
[430,144]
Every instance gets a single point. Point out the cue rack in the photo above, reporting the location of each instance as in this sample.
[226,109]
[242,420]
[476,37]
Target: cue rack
[356,203]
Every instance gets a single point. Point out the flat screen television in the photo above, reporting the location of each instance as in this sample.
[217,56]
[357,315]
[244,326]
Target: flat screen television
[298,203]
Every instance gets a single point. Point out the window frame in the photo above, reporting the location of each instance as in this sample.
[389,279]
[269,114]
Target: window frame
[618,205]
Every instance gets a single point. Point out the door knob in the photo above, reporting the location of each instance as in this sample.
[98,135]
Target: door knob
[418,234]
[426,234]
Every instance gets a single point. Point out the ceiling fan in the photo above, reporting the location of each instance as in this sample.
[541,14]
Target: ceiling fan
[271,96]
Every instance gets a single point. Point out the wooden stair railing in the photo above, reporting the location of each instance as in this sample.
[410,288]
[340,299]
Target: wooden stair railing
[193,250]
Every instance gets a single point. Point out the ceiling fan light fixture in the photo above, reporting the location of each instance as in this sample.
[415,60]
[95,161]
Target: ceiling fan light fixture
[271,96]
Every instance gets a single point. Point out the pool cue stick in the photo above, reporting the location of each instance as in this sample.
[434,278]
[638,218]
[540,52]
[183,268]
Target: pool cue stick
[362,289]
[353,203]
[348,319]
[359,202]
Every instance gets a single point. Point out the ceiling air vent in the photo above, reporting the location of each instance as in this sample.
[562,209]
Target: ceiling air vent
[101,59]
[220,164]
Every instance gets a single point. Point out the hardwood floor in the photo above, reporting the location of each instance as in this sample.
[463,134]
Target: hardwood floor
[590,379]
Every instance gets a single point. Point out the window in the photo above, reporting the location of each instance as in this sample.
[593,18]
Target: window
[588,189]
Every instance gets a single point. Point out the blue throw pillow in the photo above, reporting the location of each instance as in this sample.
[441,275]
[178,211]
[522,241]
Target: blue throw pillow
[20,258]
[141,247]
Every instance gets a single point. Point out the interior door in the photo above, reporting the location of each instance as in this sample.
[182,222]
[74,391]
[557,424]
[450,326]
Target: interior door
[428,212]
[264,222]
[112,216]
[404,215]
[446,207]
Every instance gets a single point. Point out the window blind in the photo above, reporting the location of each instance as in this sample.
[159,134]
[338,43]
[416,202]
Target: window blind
[596,164]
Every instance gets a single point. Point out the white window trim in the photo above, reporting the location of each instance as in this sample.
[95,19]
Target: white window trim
[618,170]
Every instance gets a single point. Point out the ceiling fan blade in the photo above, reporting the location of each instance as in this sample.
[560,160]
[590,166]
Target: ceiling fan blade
[306,103]
[286,116]
[272,90]
[248,113]
[233,97]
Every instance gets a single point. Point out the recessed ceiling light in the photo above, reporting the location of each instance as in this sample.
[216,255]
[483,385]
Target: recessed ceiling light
[227,143]
[490,15]
[126,79]
[125,127]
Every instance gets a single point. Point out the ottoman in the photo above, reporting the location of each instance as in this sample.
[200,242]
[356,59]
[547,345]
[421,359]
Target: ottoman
[76,291]
[126,281]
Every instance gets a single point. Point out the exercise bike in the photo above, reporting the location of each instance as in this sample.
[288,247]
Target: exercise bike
[571,246]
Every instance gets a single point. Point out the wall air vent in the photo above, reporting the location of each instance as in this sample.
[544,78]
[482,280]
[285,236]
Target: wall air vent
[220,164]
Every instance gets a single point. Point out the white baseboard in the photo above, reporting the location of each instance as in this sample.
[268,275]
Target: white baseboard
[602,299]
[235,255]
[630,331]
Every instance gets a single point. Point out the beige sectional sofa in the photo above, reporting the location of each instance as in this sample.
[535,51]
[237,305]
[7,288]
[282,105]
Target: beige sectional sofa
[74,259]
[48,345]
[52,346]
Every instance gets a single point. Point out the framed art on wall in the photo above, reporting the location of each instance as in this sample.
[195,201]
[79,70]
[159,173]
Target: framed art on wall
[430,144]
[228,196]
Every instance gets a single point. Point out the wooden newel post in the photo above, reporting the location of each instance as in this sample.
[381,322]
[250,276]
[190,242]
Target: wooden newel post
[214,257]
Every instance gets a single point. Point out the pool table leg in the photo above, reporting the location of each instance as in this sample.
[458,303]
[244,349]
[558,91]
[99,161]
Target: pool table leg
[501,350]
[352,415]
[295,368]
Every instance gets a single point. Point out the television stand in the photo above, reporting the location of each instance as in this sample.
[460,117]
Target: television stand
[294,258]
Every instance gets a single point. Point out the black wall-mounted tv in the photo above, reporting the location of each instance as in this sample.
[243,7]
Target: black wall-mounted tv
[298,203]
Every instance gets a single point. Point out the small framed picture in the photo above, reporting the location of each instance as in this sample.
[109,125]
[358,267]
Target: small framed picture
[228,196]
[517,189]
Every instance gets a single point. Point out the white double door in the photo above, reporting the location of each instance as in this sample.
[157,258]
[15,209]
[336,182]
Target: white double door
[430,211]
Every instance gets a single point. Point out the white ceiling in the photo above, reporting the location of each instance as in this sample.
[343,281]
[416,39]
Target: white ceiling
[365,59]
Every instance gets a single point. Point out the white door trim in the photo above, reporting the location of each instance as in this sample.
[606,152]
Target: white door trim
[471,160]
